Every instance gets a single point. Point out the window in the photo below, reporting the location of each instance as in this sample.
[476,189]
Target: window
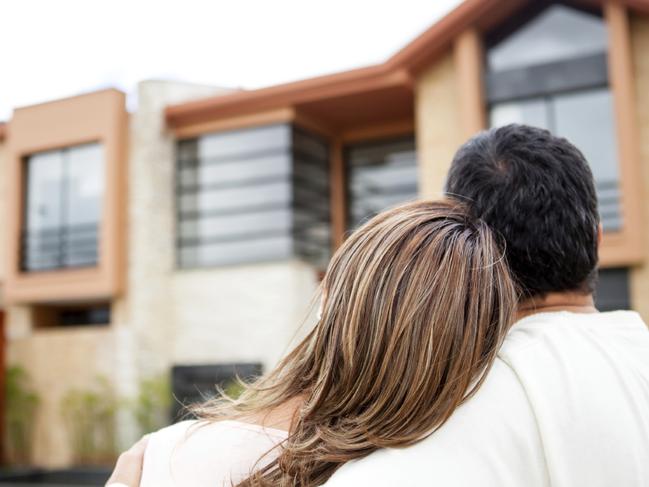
[552,73]
[63,205]
[253,195]
[46,316]
[380,174]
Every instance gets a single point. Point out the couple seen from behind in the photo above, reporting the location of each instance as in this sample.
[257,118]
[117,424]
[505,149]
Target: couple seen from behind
[458,344]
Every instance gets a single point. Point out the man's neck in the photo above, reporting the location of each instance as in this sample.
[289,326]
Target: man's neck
[573,302]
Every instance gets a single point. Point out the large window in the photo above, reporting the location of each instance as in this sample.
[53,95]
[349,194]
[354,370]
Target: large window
[552,73]
[63,206]
[380,174]
[253,195]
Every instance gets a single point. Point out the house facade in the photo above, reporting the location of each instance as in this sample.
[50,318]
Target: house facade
[195,229]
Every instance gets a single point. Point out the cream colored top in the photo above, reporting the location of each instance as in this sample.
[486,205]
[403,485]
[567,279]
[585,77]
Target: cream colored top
[207,455]
[566,404]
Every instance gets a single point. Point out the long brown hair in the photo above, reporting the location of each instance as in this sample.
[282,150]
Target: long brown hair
[416,304]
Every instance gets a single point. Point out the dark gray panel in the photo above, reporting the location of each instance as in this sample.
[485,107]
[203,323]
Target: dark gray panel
[557,77]
[612,291]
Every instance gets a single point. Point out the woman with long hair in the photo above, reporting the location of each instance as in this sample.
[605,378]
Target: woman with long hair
[415,305]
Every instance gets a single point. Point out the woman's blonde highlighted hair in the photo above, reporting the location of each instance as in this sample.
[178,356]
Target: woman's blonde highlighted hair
[417,302]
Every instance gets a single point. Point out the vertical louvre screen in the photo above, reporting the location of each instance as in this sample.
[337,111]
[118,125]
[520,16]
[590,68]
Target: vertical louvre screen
[250,195]
[63,202]
[311,218]
[381,174]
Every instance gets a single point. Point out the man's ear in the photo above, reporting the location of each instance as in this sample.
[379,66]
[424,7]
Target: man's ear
[600,234]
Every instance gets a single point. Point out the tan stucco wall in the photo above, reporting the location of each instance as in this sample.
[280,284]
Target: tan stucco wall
[640,45]
[58,360]
[439,127]
[3,225]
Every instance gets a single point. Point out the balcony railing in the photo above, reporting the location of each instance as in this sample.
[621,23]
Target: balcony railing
[59,247]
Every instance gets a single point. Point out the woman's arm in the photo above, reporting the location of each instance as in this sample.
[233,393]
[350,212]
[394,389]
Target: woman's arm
[128,468]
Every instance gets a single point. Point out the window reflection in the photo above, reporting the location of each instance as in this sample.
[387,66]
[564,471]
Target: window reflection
[559,33]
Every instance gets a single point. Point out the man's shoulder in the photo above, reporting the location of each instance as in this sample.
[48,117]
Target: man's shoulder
[471,448]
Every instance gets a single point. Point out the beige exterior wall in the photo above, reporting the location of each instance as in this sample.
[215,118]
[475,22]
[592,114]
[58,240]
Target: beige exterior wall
[3,226]
[57,361]
[640,45]
[439,127]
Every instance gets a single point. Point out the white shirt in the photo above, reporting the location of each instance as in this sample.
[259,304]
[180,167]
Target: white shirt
[221,454]
[566,404]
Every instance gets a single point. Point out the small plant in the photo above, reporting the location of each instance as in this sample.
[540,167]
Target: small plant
[21,406]
[152,405]
[234,388]
[90,419]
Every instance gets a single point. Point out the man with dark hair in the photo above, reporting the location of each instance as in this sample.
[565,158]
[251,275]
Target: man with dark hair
[538,192]
[566,403]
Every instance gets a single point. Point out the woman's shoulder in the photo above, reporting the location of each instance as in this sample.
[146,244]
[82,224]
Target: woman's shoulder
[207,453]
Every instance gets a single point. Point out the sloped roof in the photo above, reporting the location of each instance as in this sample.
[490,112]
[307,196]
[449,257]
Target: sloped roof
[397,72]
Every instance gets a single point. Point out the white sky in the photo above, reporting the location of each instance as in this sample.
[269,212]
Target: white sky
[57,48]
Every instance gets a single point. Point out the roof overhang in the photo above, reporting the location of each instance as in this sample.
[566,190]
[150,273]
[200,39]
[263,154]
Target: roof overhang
[337,101]
[375,94]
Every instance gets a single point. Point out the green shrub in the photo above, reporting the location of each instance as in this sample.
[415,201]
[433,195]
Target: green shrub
[21,405]
[151,406]
[89,416]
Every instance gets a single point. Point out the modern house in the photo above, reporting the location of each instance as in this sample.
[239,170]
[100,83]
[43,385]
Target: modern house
[195,229]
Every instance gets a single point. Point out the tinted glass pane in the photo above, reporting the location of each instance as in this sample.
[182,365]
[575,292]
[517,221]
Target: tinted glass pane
[44,190]
[237,225]
[529,112]
[559,33]
[255,250]
[253,169]
[85,184]
[235,199]
[381,174]
[63,208]
[586,119]
[238,143]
